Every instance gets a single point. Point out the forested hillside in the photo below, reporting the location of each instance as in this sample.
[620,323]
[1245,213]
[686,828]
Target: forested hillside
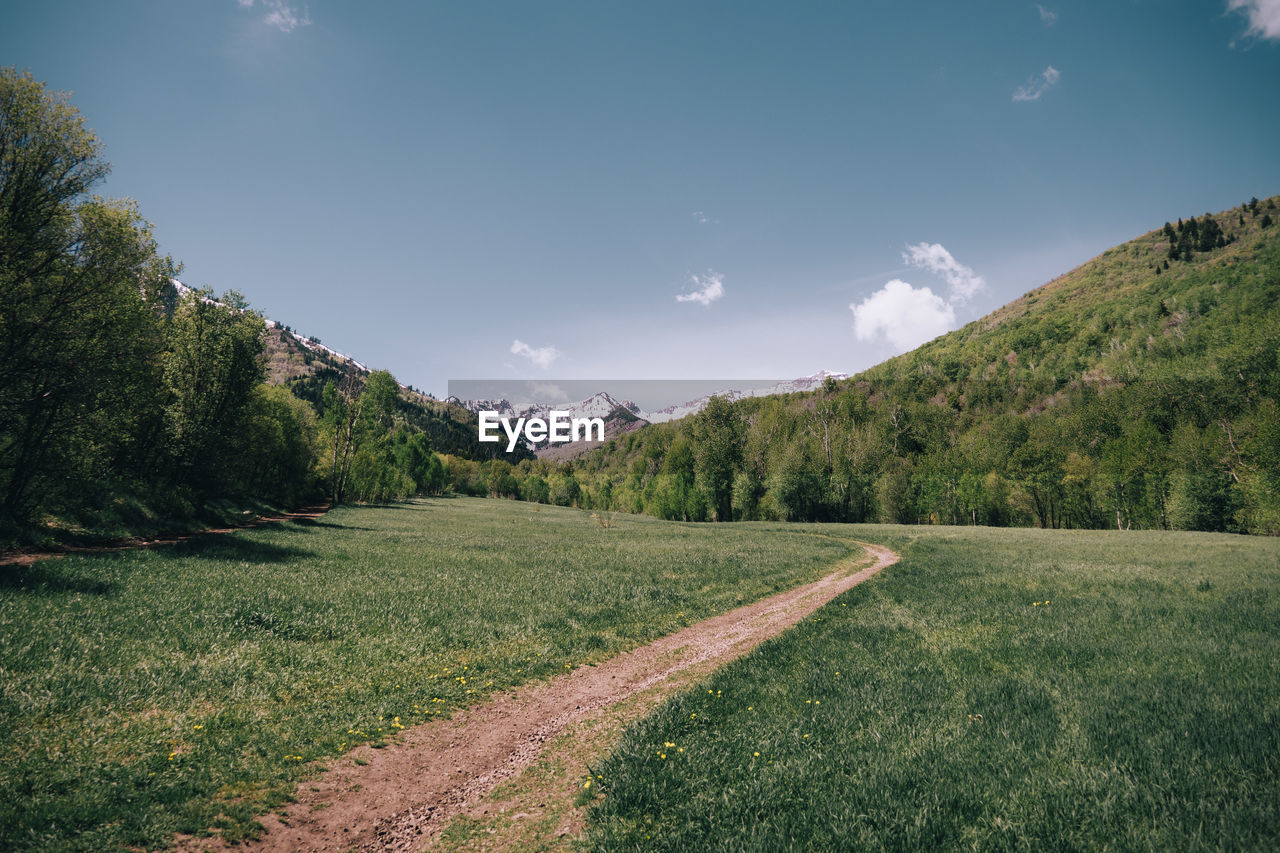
[1137,391]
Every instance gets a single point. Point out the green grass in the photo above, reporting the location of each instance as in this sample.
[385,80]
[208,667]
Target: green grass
[154,691]
[997,689]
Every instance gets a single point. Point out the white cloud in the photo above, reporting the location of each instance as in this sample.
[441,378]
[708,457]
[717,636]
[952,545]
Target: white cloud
[702,218]
[1038,85]
[707,288]
[541,357]
[543,392]
[281,15]
[286,18]
[904,315]
[1048,17]
[1264,16]
[963,282]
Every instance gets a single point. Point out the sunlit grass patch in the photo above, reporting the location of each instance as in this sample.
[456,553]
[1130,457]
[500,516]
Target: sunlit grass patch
[995,689]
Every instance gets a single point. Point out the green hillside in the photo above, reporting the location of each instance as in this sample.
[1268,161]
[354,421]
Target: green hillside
[1139,390]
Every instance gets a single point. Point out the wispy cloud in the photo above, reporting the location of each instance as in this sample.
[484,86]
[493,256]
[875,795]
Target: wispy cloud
[1038,85]
[905,316]
[1048,17]
[963,282]
[703,219]
[706,288]
[542,357]
[280,14]
[1264,16]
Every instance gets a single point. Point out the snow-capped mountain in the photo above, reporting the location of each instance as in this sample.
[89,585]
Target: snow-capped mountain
[602,404]
[598,405]
[790,386]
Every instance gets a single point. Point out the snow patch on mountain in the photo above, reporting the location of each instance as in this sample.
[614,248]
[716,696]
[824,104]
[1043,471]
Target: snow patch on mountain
[310,343]
[789,386]
[602,404]
[598,405]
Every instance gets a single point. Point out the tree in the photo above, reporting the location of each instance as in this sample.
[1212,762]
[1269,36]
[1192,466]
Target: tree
[1200,493]
[797,486]
[502,483]
[1037,466]
[79,334]
[718,437]
[1210,236]
[373,457]
[893,493]
[278,452]
[342,412]
[48,160]
[1260,483]
[1130,476]
[535,490]
[1079,487]
[213,365]
[747,491]
[564,487]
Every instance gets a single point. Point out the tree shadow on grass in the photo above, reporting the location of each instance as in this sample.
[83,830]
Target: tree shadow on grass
[236,548]
[53,576]
[100,572]
[311,522]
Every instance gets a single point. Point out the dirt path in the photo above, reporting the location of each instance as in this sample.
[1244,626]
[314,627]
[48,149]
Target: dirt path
[399,797]
[26,558]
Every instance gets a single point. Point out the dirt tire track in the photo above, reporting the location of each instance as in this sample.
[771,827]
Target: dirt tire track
[398,797]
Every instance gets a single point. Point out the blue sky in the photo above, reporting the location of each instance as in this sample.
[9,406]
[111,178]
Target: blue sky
[471,189]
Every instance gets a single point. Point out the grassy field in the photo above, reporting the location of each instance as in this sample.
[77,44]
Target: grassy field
[152,691]
[997,689]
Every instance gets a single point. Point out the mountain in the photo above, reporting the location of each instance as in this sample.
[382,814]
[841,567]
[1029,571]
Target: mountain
[304,365]
[618,422]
